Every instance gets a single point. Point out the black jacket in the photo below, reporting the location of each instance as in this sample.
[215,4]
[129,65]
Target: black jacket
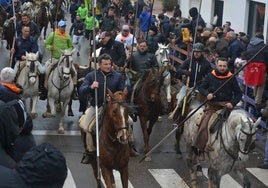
[116,50]
[229,92]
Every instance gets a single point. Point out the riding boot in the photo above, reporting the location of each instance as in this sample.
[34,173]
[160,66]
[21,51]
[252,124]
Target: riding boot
[42,89]
[75,93]
[88,157]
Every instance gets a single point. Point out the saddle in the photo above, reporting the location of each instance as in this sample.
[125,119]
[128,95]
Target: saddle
[50,67]
[215,121]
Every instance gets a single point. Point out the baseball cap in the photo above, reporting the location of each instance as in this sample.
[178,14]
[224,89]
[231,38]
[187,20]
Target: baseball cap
[125,28]
[104,34]
[61,23]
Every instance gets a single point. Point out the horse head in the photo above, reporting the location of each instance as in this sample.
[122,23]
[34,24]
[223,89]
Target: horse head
[153,84]
[162,55]
[117,111]
[32,66]
[246,135]
[65,64]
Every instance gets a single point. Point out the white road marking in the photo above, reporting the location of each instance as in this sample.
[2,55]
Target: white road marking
[226,180]
[260,174]
[55,133]
[69,182]
[168,178]
[117,180]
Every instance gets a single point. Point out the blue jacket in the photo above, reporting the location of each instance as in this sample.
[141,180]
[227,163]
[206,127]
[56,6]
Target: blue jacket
[25,45]
[114,82]
[146,20]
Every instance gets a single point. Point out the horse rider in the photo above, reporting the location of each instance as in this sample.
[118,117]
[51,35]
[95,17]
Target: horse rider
[194,69]
[56,41]
[227,97]
[24,43]
[140,63]
[114,48]
[107,78]
[34,31]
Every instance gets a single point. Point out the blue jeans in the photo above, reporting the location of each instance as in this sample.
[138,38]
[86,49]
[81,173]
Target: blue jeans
[266,151]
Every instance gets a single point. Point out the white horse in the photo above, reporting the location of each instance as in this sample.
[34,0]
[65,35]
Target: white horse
[162,56]
[231,142]
[29,80]
[60,86]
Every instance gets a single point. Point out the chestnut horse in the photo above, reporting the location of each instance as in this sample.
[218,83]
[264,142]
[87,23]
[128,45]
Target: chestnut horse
[149,104]
[113,142]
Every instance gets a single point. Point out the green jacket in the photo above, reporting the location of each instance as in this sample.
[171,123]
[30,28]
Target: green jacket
[60,43]
[89,23]
[82,12]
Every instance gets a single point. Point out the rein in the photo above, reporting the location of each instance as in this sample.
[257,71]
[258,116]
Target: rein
[60,76]
[121,103]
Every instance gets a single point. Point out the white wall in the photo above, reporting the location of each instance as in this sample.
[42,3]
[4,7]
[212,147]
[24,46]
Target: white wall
[237,13]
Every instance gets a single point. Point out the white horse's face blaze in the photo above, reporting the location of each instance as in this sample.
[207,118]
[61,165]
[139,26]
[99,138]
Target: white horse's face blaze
[246,135]
[31,66]
[162,55]
[65,63]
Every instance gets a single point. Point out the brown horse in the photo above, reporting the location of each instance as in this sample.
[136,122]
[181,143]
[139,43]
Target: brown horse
[56,12]
[113,143]
[149,104]
[9,32]
[42,17]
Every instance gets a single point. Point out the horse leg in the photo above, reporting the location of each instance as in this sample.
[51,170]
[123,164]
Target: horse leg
[214,178]
[124,176]
[62,113]
[95,172]
[70,111]
[143,122]
[178,138]
[107,174]
[47,114]
[242,174]
[33,107]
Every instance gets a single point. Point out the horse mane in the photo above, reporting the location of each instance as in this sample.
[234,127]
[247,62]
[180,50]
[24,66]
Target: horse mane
[236,116]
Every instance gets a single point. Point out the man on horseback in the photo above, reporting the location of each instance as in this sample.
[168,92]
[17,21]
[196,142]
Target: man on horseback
[56,41]
[107,78]
[23,43]
[227,97]
[141,62]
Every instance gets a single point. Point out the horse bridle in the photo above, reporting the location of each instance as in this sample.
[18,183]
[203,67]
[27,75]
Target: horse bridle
[121,103]
[32,68]
[66,57]
[249,138]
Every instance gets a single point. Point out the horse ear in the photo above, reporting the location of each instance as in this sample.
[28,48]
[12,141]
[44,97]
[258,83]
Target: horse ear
[73,51]
[110,93]
[125,91]
[27,54]
[257,122]
[37,55]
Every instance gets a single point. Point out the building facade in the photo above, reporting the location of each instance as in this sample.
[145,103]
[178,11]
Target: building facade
[249,16]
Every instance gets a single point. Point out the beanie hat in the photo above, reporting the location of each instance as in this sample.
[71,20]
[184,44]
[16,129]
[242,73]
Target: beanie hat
[7,75]
[193,12]
[154,28]
[43,166]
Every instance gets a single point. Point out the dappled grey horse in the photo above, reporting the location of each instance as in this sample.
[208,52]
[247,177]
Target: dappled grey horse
[231,142]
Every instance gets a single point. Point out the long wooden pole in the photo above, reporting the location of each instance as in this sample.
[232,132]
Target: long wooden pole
[96,92]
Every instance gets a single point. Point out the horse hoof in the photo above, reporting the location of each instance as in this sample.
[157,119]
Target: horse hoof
[45,115]
[70,113]
[34,115]
[61,130]
[179,156]
[148,159]
[58,107]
